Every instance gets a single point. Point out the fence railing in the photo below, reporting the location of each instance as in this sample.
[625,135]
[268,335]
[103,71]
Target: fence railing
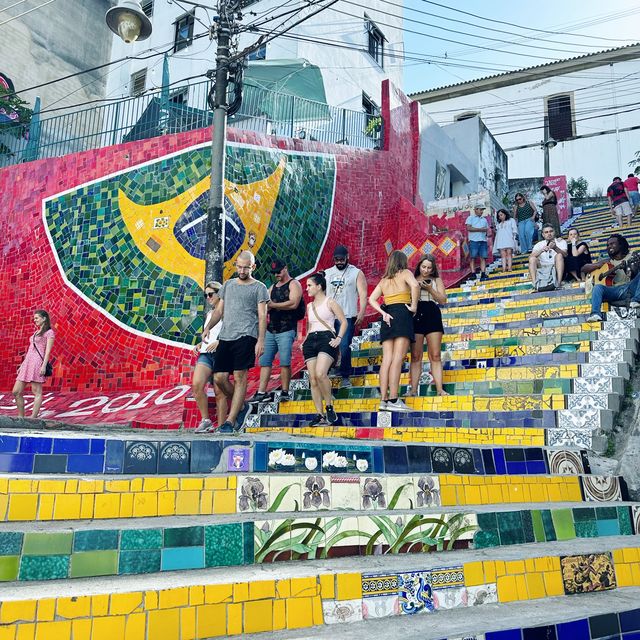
[158,113]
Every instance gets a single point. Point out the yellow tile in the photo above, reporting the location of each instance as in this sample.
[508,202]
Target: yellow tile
[280,615]
[507,589]
[530,565]
[515,567]
[22,507]
[472,495]
[232,482]
[630,555]
[81,629]
[635,574]
[53,631]
[188,624]
[107,505]
[136,485]
[299,613]
[26,632]
[262,589]
[4,503]
[67,507]
[86,506]
[521,587]
[108,628]
[489,568]
[283,588]
[624,575]
[118,486]
[318,614]
[46,609]
[304,586]
[71,486]
[145,504]
[448,496]
[126,505]
[212,620]
[196,595]
[234,619]
[194,484]
[79,607]
[473,574]
[187,503]
[328,585]
[348,586]
[93,486]
[258,616]
[618,556]
[206,502]
[553,583]
[500,568]
[170,598]
[240,592]
[215,593]
[136,626]
[224,501]
[18,611]
[167,503]
[154,484]
[125,603]
[21,486]
[164,624]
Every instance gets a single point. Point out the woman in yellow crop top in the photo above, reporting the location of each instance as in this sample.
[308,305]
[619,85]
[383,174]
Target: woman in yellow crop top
[401,293]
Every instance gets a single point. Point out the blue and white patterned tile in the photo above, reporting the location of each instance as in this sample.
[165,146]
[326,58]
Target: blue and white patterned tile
[606,357]
[599,370]
[602,384]
[584,402]
[414,589]
[588,419]
[601,488]
[569,437]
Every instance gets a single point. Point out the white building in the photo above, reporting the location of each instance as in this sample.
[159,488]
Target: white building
[355,48]
[589,105]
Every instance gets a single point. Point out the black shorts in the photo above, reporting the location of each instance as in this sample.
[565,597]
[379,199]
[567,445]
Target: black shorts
[235,355]
[428,319]
[401,325]
[318,342]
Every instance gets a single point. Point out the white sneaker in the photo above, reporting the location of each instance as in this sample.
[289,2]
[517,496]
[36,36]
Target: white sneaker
[205,426]
[634,304]
[399,406]
[383,406]
[594,317]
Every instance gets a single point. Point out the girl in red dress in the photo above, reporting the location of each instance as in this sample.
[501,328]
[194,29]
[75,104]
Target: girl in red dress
[33,367]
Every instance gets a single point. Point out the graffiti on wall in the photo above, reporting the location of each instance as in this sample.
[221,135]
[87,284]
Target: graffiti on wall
[132,244]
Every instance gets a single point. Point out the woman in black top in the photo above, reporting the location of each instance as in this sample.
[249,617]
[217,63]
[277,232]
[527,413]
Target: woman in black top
[577,255]
[550,209]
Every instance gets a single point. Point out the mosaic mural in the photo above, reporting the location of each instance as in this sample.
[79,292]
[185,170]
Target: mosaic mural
[132,244]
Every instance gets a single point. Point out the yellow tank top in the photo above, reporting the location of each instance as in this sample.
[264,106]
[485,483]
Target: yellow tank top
[404,297]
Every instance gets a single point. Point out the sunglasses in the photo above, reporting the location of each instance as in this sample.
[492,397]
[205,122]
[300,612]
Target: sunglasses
[210,294]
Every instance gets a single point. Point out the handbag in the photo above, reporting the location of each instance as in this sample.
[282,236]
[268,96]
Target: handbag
[48,371]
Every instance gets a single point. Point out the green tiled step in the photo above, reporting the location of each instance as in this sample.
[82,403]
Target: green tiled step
[84,549]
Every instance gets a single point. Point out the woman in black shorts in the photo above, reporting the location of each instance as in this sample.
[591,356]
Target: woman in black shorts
[400,291]
[320,347]
[428,322]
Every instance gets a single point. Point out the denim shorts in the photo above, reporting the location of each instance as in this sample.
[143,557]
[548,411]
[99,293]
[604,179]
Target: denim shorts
[280,343]
[634,198]
[207,359]
[477,248]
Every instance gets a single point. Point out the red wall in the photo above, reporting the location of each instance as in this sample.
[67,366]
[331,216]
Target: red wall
[91,351]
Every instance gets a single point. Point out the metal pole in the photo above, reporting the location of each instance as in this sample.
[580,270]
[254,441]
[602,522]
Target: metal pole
[545,146]
[214,251]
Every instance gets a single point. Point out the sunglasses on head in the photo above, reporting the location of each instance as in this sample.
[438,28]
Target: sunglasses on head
[210,294]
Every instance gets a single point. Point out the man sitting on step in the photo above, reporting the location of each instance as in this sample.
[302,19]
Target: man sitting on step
[623,287]
[546,262]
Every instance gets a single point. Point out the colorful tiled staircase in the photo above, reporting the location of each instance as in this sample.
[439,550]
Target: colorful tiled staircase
[472,508]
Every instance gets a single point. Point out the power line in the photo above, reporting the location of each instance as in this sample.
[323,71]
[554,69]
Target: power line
[15,4]
[44,4]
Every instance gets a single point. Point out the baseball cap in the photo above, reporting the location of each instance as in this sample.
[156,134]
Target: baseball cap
[215,285]
[340,251]
[277,265]
[479,206]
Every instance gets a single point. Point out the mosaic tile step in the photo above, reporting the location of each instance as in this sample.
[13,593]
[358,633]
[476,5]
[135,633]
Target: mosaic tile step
[145,547]
[207,455]
[143,497]
[292,596]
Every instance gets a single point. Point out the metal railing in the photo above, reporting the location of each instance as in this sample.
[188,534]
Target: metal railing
[158,113]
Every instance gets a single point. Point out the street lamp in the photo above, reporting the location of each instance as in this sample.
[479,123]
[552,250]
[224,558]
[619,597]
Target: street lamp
[545,145]
[129,21]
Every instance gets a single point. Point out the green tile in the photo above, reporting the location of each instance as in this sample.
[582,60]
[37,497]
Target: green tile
[10,543]
[586,529]
[510,527]
[584,515]
[132,562]
[131,539]
[100,540]
[224,545]
[486,539]
[9,567]
[488,521]
[538,526]
[47,544]
[94,563]
[606,513]
[248,539]
[563,524]
[44,567]
[527,526]
[547,521]
[184,537]
[624,518]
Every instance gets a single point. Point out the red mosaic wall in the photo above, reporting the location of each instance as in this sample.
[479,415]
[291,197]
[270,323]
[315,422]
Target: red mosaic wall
[91,352]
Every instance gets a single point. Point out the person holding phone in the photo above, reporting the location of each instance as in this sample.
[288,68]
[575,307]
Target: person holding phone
[546,262]
[427,323]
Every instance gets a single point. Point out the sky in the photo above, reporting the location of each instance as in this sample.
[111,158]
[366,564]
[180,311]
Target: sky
[608,24]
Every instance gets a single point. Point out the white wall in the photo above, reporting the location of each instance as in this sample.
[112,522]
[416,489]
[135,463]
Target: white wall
[346,73]
[515,116]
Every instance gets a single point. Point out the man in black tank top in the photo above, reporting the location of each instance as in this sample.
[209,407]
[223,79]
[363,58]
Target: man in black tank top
[286,295]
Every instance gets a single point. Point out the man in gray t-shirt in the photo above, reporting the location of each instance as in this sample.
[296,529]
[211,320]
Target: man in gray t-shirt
[243,306]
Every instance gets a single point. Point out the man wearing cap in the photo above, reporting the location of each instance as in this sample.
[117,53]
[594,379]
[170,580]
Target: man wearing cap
[347,285]
[285,298]
[477,227]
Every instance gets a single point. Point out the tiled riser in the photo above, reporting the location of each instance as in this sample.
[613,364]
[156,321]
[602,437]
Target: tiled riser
[204,611]
[76,553]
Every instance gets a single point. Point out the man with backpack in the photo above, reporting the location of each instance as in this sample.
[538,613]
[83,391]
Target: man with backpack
[286,307]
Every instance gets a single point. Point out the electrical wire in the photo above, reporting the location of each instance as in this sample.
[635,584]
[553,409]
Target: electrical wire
[44,4]
[15,4]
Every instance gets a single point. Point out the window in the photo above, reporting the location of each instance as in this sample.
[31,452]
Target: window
[137,84]
[258,54]
[559,113]
[147,7]
[372,117]
[184,32]
[375,41]
[179,96]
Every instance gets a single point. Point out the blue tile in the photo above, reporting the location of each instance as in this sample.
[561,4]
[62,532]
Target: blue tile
[260,457]
[534,453]
[71,445]
[419,458]
[633,635]
[35,445]
[489,466]
[141,456]
[630,620]
[9,444]
[536,467]
[205,455]
[50,463]
[608,527]
[516,468]
[114,460]
[604,626]
[174,457]
[85,464]
[478,461]
[395,459]
[498,458]
[97,446]
[509,634]
[378,460]
[182,558]
[20,462]
[547,632]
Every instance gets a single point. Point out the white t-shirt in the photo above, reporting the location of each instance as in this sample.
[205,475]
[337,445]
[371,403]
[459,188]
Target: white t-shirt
[548,256]
[213,333]
[477,222]
[342,286]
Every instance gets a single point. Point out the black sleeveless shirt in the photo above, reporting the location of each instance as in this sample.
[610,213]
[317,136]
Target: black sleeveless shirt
[281,320]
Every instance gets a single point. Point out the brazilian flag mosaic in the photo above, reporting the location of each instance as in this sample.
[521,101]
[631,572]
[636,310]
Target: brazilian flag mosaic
[132,244]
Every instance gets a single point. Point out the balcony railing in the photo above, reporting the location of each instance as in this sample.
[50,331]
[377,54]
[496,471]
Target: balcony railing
[158,113]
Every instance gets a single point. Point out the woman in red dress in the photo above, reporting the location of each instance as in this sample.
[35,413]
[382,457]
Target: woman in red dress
[33,367]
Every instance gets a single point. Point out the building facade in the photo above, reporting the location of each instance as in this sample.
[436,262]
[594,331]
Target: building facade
[587,105]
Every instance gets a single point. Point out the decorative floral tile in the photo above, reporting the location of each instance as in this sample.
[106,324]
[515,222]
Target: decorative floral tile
[335,460]
[380,607]
[428,491]
[482,594]
[373,493]
[341,611]
[376,585]
[282,459]
[447,577]
[345,492]
[316,493]
[601,488]
[253,493]
[401,492]
[451,598]
[587,573]
[565,463]
[285,492]
[415,592]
